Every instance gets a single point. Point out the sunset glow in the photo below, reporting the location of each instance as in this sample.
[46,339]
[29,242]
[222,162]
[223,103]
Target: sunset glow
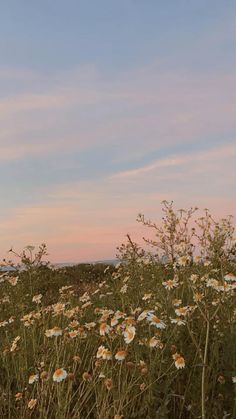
[106,109]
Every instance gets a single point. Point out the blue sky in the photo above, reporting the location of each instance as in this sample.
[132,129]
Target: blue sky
[108,107]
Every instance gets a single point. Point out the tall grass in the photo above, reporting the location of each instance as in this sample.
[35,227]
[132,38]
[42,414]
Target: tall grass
[153,337]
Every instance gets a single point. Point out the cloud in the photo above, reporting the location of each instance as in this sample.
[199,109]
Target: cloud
[186,119]
[144,111]
[226,151]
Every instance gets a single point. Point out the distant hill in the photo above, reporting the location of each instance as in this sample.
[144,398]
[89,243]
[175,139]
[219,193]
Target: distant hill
[65,264]
[105,261]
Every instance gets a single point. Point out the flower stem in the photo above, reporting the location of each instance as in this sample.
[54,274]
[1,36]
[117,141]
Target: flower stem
[204,370]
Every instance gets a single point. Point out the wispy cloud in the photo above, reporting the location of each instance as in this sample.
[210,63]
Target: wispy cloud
[228,150]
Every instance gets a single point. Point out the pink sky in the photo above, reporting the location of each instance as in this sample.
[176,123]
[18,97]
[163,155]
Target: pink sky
[122,109]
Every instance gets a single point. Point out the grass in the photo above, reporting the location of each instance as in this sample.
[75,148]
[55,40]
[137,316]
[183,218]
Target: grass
[144,339]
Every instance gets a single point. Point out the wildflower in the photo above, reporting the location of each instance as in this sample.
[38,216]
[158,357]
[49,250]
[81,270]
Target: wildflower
[33,378]
[178,321]
[155,343]
[221,379]
[90,325]
[59,375]
[155,321]
[130,365]
[11,320]
[13,280]
[32,403]
[147,297]
[58,308]
[198,297]
[37,298]
[142,315]
[104,353]
[181,311]
[183,260]
[207,262]
[176,302]
[120,355]
[18,396]
[170,284]
[76,358]
[44,376]
[104,329]
[114,321]
[100,351]
[179,361]
[66,289]
[72,312]
[82,332]
[129,334]
[213,283]
[142,363]
[73,334]
[86,376]
[144,371]
[123,289]
[84,298]
[194,278]
[230,277]
[105,315]
[14,344]
[73,324]
[129,321]
[56,331]
[108,383]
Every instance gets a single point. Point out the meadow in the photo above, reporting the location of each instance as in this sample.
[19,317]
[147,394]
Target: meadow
[152,337]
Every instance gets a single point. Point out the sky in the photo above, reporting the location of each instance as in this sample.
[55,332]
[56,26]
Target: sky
[106,109]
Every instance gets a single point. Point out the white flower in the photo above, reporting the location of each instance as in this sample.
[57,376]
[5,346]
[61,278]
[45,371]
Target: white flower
[104,353]
[120,355]
[213,283]
[59,375]
[129,334]
[179,361]
[155,321]
[182,311]
[147,297]
[142,315]
[194,278]
[33,378]
[37,298]
[183,260]
[230,277]
[84,298]
[56,331]
[123,289]
[170,284]
[155,343]
[13,280]
[178,321]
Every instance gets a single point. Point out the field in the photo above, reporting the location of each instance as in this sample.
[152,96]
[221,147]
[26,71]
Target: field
[153,337]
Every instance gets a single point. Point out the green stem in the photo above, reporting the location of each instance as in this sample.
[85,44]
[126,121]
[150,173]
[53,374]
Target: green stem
[204,370]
